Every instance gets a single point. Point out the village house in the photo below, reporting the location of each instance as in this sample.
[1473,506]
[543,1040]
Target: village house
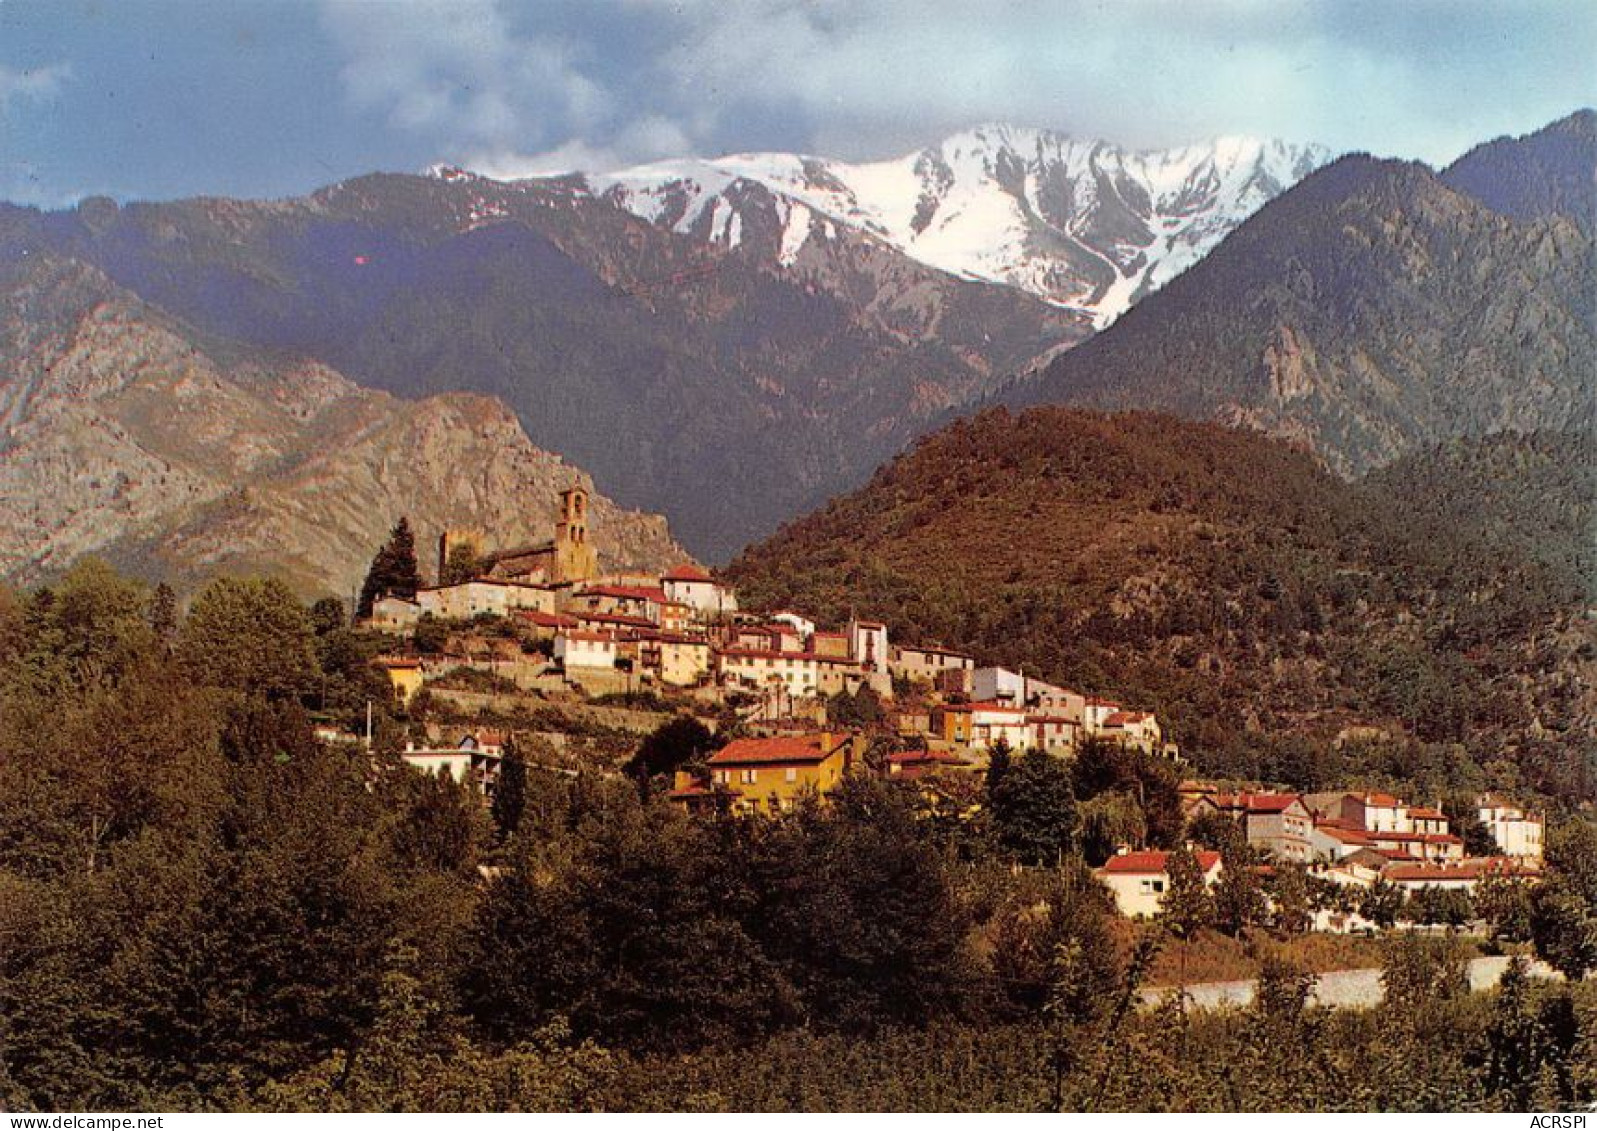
[1094,711]
[1333,839]
[618,623]
[1277,822]
[1518,833]
[772,774]
[833,645]
[695,588]
[545,626]
[1426,820]
[474,760]
[643,604]
[484,596]
[582,649]
[981,726]
[868,646]
[1419,846]
[927,664]
[393,614]
[1054,734]
[1460,875]
[404,674]
[675,617]
[913,764]
[1139,880]
[1020,690]
[1137,729]
[754,669]
[803,627]
[680,661]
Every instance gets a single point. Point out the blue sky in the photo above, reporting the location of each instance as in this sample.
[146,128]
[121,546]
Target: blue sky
[155,99]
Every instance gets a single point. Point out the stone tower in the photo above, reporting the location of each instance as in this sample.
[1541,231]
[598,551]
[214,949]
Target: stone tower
[575,559]
[453,539]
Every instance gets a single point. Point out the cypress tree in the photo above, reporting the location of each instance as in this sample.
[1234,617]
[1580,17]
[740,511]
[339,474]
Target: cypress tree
[393,571]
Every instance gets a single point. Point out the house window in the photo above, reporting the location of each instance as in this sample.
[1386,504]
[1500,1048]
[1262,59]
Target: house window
[791,774]
[748,777]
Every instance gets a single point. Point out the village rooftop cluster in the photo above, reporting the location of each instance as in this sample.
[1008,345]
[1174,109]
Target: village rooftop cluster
[681,633]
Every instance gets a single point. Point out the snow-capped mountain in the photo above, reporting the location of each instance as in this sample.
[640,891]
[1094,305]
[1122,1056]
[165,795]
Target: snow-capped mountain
[1084,224]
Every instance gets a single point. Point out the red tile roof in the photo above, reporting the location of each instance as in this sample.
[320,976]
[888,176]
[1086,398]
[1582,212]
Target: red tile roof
[626,592]
[1345,836]
[547,620]
[1256,802]
[916,757]
[1458,870]
[763,751]
[1154,863]
[615,618]
[687,572]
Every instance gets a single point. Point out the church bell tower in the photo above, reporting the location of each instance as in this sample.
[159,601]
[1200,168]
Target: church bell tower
[575,559]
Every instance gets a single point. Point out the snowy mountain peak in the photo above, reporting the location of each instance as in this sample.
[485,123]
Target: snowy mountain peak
[1082,223]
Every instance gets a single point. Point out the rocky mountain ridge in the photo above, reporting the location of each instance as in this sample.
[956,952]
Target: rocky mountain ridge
[1375,308]
[127,434]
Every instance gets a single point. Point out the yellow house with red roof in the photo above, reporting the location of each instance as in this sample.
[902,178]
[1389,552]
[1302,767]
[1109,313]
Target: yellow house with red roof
[770,775]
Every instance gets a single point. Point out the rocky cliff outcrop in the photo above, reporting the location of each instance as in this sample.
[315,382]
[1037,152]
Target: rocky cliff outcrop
[125,433]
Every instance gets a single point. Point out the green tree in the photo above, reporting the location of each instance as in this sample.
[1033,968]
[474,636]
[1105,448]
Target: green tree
[1434,906]
[1420,972]
[461,565]
[328,616]
[1053,944]
[1382,902]
[249,635]
[1238,895]
[673,745]
[431,635]
[1187,906]
[1107,823]
[1033,809]
[393,570]
[1563,927]
[1504,902]
[1563,919]
[510,797]
[1293,910]
[1215,831]
[163,612]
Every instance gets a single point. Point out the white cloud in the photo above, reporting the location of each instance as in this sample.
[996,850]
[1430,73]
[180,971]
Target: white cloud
[36,84]
[537,86]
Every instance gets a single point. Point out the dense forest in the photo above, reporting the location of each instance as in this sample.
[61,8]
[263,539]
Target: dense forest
[202,906]
[1425,628]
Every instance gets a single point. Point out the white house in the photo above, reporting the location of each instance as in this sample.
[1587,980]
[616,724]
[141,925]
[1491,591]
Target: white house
[580,648]
[689,585]
[802,626]
[1278,822]
[1139,880]
[473,760]
[1518,833]
[868,644]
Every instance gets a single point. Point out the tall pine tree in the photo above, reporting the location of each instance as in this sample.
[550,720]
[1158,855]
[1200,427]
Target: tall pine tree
[393,571]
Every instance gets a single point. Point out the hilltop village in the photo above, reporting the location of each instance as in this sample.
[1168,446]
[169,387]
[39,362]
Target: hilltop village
[808,704]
